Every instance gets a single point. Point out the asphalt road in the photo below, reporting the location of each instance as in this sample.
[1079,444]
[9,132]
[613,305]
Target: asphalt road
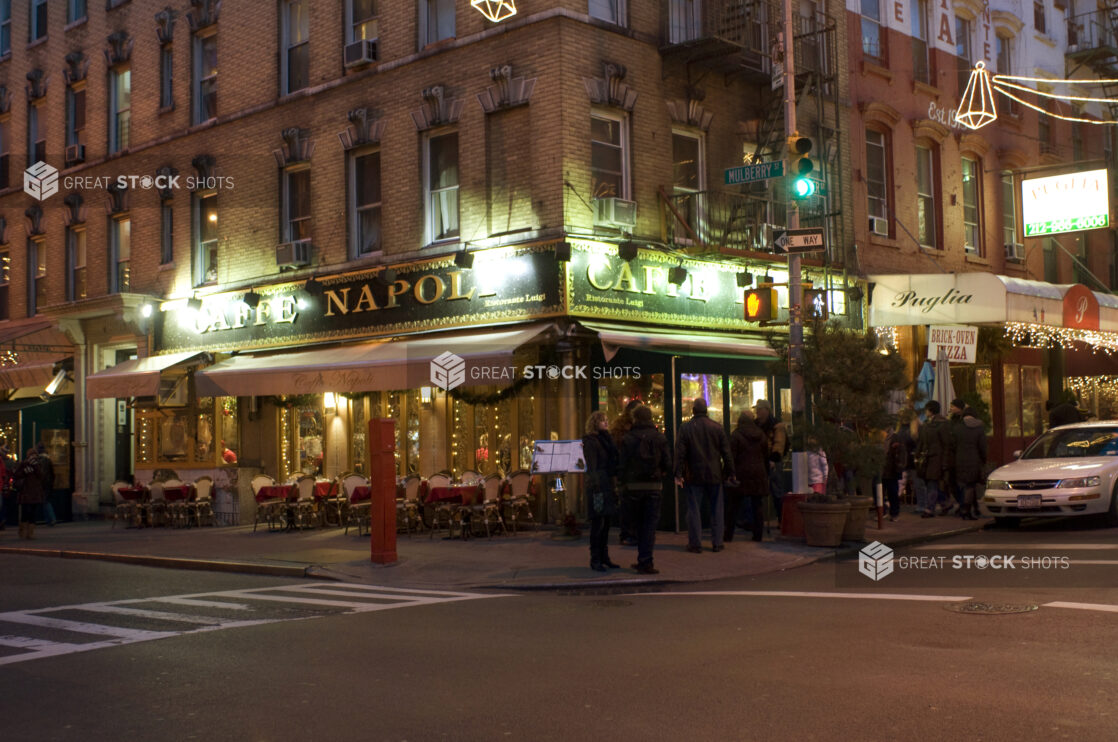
[795,655]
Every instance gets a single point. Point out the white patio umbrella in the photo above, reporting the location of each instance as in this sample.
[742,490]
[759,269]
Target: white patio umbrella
[943,390]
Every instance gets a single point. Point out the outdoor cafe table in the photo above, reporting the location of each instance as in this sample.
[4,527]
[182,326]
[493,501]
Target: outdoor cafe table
[174,494]
[275,492]
[139,496]
[455,493]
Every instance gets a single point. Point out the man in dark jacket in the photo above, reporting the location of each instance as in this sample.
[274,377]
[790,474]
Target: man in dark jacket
[702,462]
[934,453]
[47,468]
[970,462]
[645,460]
[749,448]
[1062,413]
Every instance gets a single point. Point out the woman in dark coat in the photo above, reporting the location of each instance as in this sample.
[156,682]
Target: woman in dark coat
[749,446]
[601,499]
[30,493]
[970,461]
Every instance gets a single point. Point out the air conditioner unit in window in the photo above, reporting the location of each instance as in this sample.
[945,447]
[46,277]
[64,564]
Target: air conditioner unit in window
[1014,251]
[75,153]
[879,226]
[293,254]
[615,212]
[362,51]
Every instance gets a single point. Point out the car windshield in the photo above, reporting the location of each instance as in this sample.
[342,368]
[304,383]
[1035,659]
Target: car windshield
[1074,443]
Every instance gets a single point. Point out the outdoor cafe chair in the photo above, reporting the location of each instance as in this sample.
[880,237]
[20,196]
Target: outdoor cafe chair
[518,501]
[359,505]
[128,510]
[333,503]
[303,508]
[176,506]
[267,508]
[469,477]
[438,480]
[200,510]
[407,509]
[489,509]
[157,504]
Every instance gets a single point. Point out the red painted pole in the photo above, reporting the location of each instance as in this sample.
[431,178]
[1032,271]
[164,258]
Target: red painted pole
[382,486]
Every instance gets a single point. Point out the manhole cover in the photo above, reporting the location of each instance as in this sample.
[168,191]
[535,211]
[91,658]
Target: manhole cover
[991,609]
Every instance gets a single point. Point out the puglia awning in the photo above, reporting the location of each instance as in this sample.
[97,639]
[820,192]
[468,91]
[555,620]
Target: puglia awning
[678,343]
[136,378]
[987,298]
[403,363]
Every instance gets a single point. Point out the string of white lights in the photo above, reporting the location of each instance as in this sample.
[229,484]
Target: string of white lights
[1050,113]
[1055,96]
[1045,336]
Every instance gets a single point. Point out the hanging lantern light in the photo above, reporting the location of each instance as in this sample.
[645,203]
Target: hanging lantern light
[495,10]
[976,109]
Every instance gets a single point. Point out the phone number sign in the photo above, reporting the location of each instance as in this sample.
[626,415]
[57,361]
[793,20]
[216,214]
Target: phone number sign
[1077,224]
[1069,202]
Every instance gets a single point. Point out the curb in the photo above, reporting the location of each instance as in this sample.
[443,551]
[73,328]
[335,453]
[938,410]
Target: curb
[274,570]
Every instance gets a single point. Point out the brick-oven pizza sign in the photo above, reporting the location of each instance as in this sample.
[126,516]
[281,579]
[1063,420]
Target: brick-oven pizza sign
[958,342]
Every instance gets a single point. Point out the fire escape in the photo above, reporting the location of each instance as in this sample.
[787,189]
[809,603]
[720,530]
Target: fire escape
[734,41]
[1093,42]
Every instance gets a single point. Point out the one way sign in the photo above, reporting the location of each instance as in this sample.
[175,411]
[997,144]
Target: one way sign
[799,240]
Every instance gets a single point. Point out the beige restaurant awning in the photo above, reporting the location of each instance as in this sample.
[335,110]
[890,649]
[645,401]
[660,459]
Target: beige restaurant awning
[136,378]
[404,363]
[679,343]
[36,374]
[30,351]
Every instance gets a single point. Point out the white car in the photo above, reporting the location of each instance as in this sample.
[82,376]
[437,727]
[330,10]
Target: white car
[1070,470]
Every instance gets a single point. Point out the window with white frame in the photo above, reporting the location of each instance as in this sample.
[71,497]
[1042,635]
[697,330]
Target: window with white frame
[166,232]
[1009,209]
[38,20]
[75,114]
[296,46]
[972,205]
[921,65]
[120,109]
[441,176]
[120,255]
[361,21]
[75,10]
[166,76]
[205,238]
[436,21]
[688,178]
[926,220]
[364,206]
[296,205]
[873,35]
[612,11]
[205,78]
[877,175]
[5,27]
[37,275]
[609,167]
[36,134]
[75,264]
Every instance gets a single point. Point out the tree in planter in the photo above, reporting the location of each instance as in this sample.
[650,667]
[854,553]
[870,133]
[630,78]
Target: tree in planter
[848,382]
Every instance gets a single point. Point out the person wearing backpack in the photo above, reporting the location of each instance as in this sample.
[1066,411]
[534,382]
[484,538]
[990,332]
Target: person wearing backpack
[749,448]
[646,459]
[47,469]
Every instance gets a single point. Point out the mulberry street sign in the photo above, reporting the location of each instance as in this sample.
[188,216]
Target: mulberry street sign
[754,172]
[799,240]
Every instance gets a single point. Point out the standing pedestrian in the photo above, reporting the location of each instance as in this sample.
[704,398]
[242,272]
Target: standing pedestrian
[702,463]
[908,430]
[970,461]
[934,450]
[601,497]
[896,462]
[30,494]
[625,518]
[1063,412]
[817,466]
[646,459]
[5,483]
[749,447]
[46,466]
[777,436]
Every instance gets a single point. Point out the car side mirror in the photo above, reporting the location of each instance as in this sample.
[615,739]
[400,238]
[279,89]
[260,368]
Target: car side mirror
[1017,453]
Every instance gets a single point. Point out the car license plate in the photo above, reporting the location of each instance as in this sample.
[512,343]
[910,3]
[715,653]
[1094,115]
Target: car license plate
[1028,502]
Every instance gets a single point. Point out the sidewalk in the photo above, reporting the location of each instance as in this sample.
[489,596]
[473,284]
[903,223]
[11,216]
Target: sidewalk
[528,560]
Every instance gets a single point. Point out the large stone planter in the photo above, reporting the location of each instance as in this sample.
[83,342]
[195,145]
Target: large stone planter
[824,522]
[855,528]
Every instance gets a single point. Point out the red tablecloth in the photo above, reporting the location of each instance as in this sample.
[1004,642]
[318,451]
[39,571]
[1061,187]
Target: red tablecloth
[173,494]
[460,493]
[275,491]
[324,488]
[133,493]
[361,493]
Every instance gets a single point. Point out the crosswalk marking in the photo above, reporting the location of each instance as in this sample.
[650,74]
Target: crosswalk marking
[255,606]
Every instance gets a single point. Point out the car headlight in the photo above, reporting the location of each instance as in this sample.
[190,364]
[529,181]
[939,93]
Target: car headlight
[1079,482]
[997,484]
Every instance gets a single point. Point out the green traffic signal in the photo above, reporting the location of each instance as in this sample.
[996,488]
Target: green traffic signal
[803,187]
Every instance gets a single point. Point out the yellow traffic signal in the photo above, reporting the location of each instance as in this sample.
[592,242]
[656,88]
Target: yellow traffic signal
[760,305]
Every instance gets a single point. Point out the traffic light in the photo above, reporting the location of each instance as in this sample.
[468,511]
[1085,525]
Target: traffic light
[760,305]
[799,150]
[814,304]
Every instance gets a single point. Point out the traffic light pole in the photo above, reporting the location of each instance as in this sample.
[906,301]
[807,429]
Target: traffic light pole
[795,288]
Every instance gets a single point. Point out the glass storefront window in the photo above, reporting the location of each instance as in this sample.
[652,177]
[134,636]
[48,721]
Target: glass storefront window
[360,428]
[1012,387]
[707,386]
[484,457]
[309,439]
[393,401]
[1032,400]
[175,435]
[526,430]
[984,385]
[615,393]
[744,393]
[204,430]
[411,461]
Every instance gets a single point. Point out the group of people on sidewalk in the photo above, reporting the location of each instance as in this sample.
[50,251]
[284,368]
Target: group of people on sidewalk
[26,485]
[627,465]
